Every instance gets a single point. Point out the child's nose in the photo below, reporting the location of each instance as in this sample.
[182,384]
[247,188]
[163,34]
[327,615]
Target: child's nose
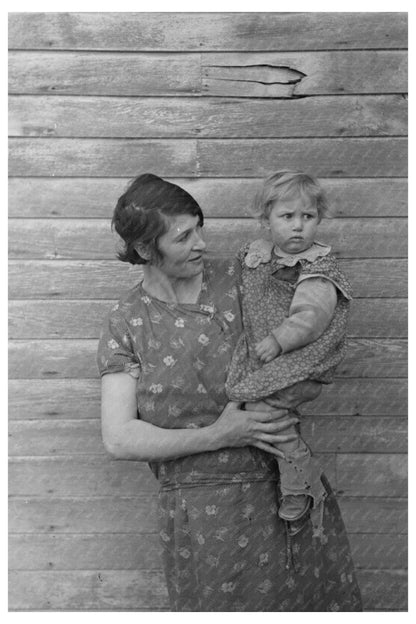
[297,224]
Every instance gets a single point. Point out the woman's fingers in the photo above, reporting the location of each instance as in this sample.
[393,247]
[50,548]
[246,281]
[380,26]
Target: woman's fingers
[280,425]
[278,438]
[269,449]
[271,416]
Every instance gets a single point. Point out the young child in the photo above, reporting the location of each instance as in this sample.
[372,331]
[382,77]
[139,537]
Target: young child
[295,305]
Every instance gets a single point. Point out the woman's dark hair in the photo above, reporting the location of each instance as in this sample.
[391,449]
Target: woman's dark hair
[139,215]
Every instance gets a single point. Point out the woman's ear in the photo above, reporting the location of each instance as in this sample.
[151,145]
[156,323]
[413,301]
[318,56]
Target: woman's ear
[143,251]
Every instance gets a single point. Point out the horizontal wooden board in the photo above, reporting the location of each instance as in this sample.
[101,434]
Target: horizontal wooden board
[380,318]
[80,73]
[374,358]
[137,514]
[108,514]
[97,476]
[46,359]
[230,198]
[346,157]
[384,590]
[257,75]
[372,474]
[121,590]
[95,552]
[142,552]
[64,116]
[88,590]
[354,435]
[60,399]
[206,31]
[299,74]
[92,239]
[77,279]
[101,157]
[323,434]
[370,157]
[367,515]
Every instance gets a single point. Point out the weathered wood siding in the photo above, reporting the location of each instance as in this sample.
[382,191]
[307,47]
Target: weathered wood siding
[214,102]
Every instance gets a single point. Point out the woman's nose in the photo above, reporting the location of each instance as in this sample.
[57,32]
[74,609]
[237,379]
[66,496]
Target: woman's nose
[199,242]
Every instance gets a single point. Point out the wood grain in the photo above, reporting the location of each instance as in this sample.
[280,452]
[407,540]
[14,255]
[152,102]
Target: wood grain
[383,318]
[137,515]
[101,157]
[142,552]
[87,590]
[347,157]
[92,239]
[97,475]
[371,157]
[46,359]
[116,590]
[99,279]
[206,31]
[124,117]
[324,435]
[81,73]
[60,399]
[229,198]
[299,74]
[383,589]
[372,474]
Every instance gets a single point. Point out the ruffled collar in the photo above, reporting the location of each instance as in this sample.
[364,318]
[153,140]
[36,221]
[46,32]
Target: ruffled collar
[317,250]
[262,251]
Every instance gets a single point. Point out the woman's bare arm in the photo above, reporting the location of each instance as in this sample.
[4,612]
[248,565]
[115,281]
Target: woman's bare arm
[127,437]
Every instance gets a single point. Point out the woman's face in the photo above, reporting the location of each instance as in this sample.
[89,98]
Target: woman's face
[182,248]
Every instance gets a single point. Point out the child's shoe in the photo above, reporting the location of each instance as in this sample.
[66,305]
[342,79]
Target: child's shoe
[294,507]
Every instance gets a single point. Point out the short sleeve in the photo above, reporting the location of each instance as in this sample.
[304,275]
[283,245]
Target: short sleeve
[327,268]
[116,353]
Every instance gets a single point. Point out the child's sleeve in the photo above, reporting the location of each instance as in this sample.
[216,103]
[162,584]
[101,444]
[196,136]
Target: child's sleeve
[310,313]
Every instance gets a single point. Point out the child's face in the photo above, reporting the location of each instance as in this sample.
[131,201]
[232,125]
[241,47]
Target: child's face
[293,224]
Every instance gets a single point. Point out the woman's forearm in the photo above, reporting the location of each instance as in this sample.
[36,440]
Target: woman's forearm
[142,441]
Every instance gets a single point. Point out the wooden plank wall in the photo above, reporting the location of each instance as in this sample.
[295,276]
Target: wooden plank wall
[214,102]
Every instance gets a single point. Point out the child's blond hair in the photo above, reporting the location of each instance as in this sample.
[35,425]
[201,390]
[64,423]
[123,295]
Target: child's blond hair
[285,185]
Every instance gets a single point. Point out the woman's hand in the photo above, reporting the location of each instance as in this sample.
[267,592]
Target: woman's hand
[237,427]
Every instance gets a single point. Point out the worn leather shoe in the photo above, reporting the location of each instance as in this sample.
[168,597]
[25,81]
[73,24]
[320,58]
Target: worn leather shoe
[294,507]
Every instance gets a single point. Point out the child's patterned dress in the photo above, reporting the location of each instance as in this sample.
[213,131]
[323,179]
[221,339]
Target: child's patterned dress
[268,283]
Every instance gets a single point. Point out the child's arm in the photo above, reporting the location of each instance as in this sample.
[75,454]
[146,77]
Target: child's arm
[310,313]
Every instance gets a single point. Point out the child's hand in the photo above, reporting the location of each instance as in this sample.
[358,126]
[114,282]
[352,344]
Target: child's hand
[268,348]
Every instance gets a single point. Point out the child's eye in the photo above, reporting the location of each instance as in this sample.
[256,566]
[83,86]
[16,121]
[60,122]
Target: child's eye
[309,216]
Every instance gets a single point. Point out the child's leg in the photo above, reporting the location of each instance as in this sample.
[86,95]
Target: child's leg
[289,398]
[300,481]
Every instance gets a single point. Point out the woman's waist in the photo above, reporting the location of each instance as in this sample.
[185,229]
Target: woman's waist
[228,465]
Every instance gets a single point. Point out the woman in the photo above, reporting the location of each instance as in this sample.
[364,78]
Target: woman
[163,356]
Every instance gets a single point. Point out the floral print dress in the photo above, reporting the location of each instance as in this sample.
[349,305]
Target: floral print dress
[224,547]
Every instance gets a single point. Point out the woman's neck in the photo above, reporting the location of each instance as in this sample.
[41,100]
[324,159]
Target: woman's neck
[170,289]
